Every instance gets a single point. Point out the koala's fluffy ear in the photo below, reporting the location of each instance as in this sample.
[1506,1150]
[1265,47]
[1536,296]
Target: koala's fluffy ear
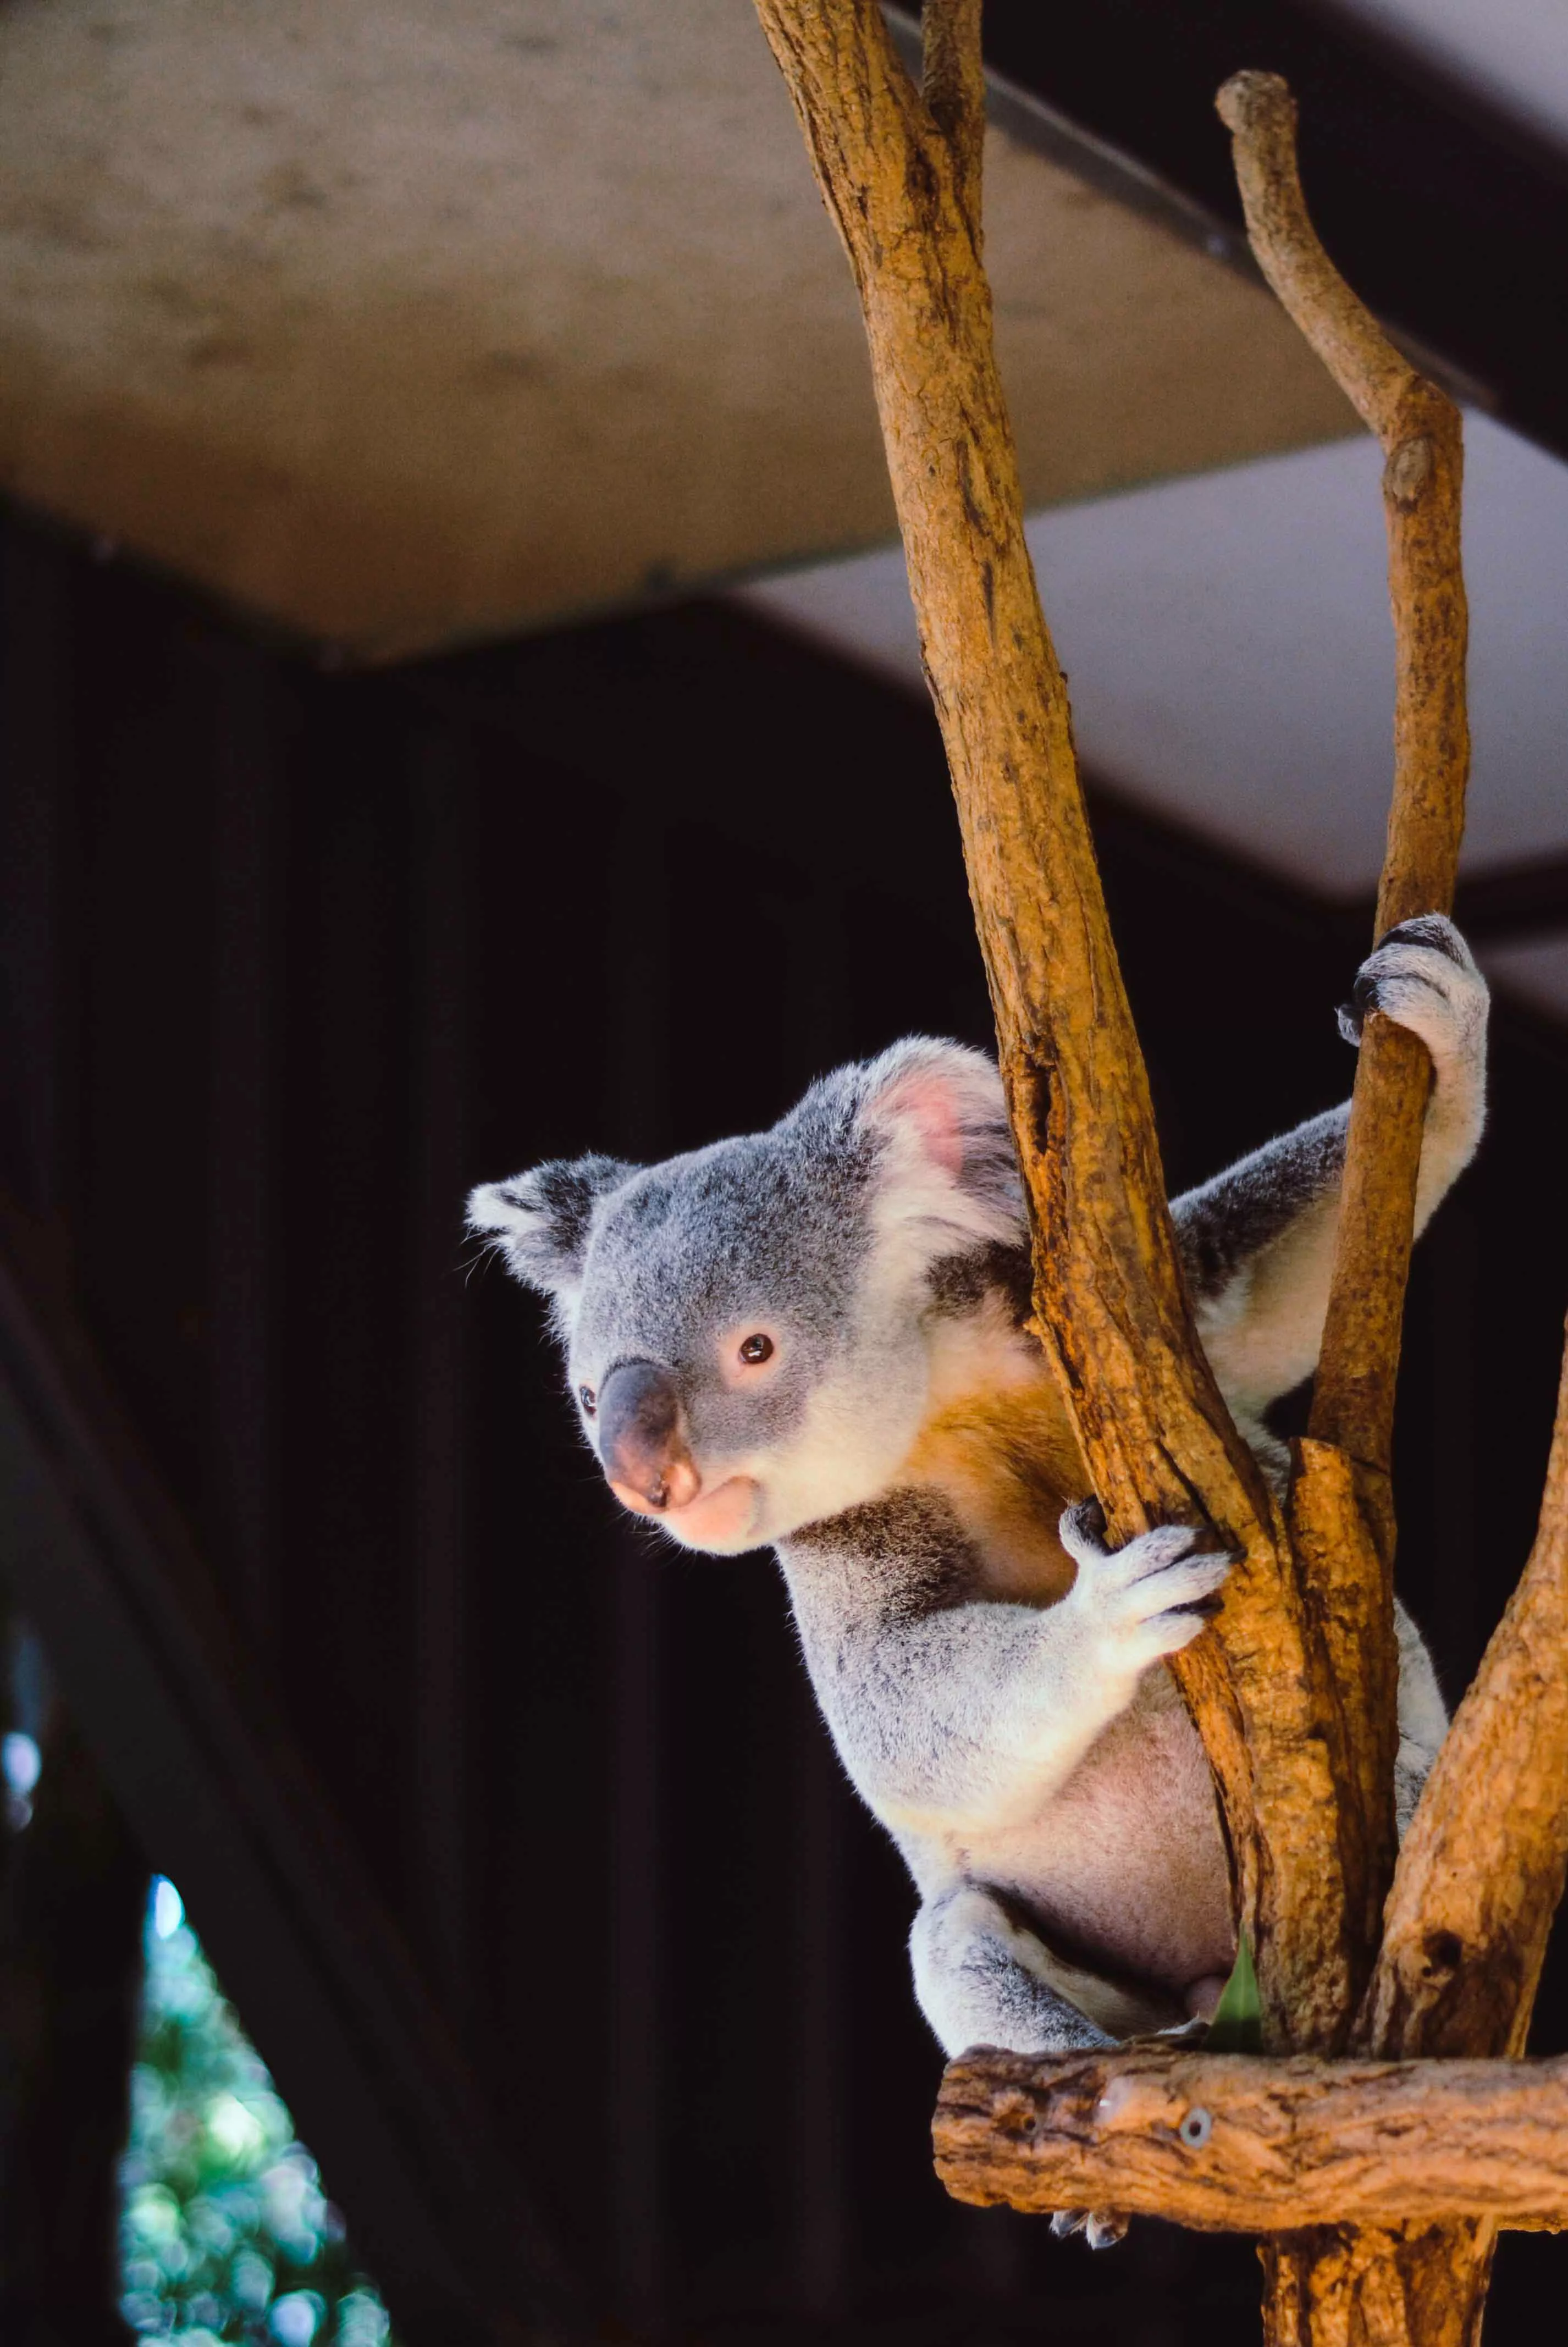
[951,1164]
[539,1220]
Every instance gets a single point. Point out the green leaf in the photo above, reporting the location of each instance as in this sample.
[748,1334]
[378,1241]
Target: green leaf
[1237,2025]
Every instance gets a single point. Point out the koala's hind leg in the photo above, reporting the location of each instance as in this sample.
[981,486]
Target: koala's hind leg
[1423,1719]
[981,1980]
[978,1980]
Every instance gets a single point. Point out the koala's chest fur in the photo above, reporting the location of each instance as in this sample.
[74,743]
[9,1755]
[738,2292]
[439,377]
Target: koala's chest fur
[997,1445]
[1122,1865]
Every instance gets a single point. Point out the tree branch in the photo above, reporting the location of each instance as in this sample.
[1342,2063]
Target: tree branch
[1229,2143]
[1420,429]
[1110,1301]
[1483,1865]
[1429,2287]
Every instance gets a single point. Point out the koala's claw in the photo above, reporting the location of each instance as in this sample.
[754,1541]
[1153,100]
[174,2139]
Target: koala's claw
[1084,1527]
[1422,976]
[1100,2228]
[1150,1597]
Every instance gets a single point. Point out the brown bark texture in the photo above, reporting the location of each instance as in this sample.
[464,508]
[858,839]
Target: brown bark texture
[1420,429]
[1110,1301]
[1424,2285]
[1483,1865]
[1231,2143]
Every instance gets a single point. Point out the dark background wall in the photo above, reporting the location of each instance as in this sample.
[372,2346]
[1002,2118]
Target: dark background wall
[289,958]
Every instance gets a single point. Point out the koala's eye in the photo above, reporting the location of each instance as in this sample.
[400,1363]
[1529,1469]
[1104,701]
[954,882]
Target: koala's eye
[756,1348]
[588,1400]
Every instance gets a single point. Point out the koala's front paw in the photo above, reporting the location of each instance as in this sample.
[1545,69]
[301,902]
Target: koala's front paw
[1146,1600]
[1100,2228]
[1423,977]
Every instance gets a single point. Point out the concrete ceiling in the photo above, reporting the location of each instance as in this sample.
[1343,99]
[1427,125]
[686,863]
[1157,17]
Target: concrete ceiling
[1230,655]
[403,321]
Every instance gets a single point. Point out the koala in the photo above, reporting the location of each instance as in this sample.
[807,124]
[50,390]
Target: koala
[815,1338]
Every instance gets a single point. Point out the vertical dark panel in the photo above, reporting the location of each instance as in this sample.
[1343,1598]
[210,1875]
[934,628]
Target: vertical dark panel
[142,957]
[37,849]
[816,994]
[439,1032]
[638,1048]
[73,1884]
[342,1391]
[818,2025]
[248,747]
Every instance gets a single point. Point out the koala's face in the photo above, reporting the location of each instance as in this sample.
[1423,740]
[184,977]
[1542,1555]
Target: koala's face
[746,1326]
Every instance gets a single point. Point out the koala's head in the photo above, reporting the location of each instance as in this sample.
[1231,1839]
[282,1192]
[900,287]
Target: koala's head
[746,1328]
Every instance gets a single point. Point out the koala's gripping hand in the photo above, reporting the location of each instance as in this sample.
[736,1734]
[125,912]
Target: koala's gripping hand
[1423,977]
[1131,1606]
[1258,1239]
[963,1719]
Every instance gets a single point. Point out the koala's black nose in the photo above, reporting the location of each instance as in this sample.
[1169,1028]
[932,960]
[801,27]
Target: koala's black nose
[642,1439]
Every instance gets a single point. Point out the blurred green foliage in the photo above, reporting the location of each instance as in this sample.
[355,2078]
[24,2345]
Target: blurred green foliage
[226,2234]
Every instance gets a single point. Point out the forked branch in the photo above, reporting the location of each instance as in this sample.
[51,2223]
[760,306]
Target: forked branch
[1341,1519]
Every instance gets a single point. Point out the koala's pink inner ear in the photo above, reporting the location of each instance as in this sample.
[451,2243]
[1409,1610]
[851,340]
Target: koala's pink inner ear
[925,1100]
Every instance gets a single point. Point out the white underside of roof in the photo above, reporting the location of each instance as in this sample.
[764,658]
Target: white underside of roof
[1230,655]
[1514,52]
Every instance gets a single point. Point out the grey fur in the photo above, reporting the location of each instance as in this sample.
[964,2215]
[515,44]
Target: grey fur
[1029,1758]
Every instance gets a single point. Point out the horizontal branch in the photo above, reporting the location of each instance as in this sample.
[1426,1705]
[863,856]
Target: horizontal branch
[1229,2143]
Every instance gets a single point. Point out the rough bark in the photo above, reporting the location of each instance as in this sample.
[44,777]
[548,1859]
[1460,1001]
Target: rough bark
[1483,1865]
[1427,2287]
[1110,1301]
[1230,2143]
[1341,1522]
[1420,433]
